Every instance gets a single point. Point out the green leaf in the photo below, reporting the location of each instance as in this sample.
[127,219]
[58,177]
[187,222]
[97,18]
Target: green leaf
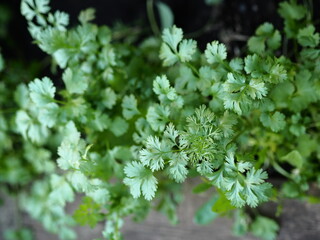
[186,50]
[256,89]
[305,91]
[109,98]
[48,115]
[161,87]
[62,191]
[235,97]
[172,37]
[42,91]
[177,168]
[294,158]
[256,44]
[215,52]
[75,81]
[264,228]
[119,126]
[98,192]
[204,215]
[170,53]
[78,181]
[307,37]
[32,8]
[256,189]
[87,15]
[276,122]
[88,213]
[29,128]
[59,20]
[18,234]
[153,155]
[202,187]
[226,123]
[307,145]
[222,205]
[140,180]
[291,190]
[291,10]
[241,222]
[69,150]
[129,107]
[167,56]
[157,116]
[240,182]
[236,64]
[62,57]
[100,122]
[234,193]
[186,82]
[165,14]
[266,36]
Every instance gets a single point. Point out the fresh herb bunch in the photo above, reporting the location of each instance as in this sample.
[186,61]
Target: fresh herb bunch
[129,123]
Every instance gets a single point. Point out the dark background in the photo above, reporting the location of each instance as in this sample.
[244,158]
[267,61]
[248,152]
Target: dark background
[231,16]
[231,22]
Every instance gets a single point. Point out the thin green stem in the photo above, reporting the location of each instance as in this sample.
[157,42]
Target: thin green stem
[226,66]
[152,18]
[280,170]
[60,102]
[193,69]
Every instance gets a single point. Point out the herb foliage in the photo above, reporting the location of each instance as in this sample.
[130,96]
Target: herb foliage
[131,123]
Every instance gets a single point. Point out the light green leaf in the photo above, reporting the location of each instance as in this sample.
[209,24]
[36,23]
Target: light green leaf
[129,107]
[59,20]
[215,52]
[255,190]
[167,56]
[177,168]
[172,37]
[157,117]
[236,64]
[275,122]
[87,15]
[294,158]
[165,14]
[222,205]
[161,86]
[48,115]
[153,155]
[75,81]
[88,213]
[119,126]
[186,50]
[42,91]
[140,180]
[109,98]
[32,8]
[62,191]
[264,228]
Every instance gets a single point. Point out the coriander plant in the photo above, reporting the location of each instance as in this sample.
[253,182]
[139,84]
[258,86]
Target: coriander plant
[125,122]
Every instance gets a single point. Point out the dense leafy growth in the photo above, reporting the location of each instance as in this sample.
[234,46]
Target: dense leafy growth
[127,124]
